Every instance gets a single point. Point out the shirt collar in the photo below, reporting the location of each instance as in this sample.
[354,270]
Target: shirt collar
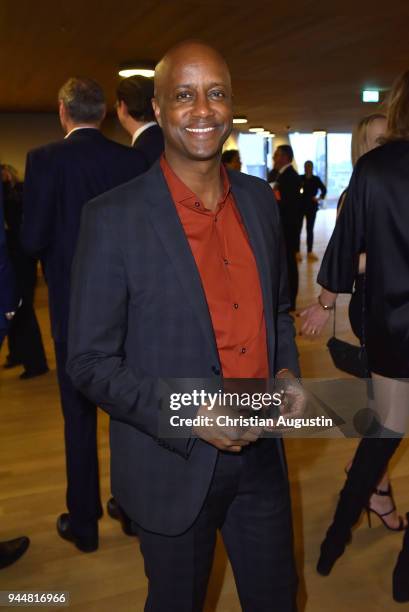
[284,168]
[80,127]
[139,131]
[181,193]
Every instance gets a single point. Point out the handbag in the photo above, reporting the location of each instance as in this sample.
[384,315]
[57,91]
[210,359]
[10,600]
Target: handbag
[348,357]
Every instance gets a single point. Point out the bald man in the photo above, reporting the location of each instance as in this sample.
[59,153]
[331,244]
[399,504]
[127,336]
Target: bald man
[179,283]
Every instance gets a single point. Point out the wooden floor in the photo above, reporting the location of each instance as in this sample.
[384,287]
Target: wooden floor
[32,493]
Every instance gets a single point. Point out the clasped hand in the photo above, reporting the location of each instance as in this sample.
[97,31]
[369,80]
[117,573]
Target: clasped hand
[225,437]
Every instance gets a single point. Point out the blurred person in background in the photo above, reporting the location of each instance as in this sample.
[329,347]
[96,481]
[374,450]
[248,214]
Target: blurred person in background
[60,178]
[310,186]
[24,335]
[368,134]
[135,113]
[286,186]
[231,159]
[10,550]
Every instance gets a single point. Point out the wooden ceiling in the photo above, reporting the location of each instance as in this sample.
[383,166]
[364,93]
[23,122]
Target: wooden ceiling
[303,70]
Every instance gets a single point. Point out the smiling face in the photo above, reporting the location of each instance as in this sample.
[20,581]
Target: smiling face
[193,102]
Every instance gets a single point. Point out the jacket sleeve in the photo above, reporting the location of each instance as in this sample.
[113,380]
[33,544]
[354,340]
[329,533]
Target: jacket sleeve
[39,203]
[286,352]
[340,263]
[98,328]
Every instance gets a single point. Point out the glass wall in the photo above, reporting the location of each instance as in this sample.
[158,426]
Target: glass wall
[310,147]
[331,156]
[254,150]
[339,163]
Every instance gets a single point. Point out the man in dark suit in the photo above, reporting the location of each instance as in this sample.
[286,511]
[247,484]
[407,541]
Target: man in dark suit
[287,186]
[60,178]
[179,283]
[135,113]
[11,550]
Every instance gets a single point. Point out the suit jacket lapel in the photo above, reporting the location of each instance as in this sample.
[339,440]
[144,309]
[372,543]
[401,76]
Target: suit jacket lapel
[245,203]
[169,228]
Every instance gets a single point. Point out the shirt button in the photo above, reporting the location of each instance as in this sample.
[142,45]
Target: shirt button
[197,204]
[226,261]
[236,306]
[243,350]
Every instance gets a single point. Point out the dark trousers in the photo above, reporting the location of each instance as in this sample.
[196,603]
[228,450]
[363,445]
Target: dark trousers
[80,429]
[24,340]
[310,215]
[291,237]
[309,211]
[24,336]
[249,502]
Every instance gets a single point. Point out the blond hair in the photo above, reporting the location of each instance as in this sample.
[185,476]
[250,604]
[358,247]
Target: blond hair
[359,142]
[398,109]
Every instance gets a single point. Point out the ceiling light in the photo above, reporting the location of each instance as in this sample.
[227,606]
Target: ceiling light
[370,95]
[140,68]
[256,129]
[239,119]
[128,72]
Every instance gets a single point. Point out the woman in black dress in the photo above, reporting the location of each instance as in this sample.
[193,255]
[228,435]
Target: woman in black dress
[375,220]
[369,133]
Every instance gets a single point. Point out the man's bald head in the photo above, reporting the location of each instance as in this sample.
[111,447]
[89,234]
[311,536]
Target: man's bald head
[193,102]
[188,51]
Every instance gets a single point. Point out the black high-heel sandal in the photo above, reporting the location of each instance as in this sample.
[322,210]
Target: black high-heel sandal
[387,493]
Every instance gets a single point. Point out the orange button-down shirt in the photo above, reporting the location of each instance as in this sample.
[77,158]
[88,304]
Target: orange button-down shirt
[229,275]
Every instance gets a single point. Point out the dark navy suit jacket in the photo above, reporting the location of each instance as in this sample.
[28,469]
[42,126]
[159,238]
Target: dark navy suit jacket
[289,184]
[140,327]
[150,144]
[60,178]
[8,299]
